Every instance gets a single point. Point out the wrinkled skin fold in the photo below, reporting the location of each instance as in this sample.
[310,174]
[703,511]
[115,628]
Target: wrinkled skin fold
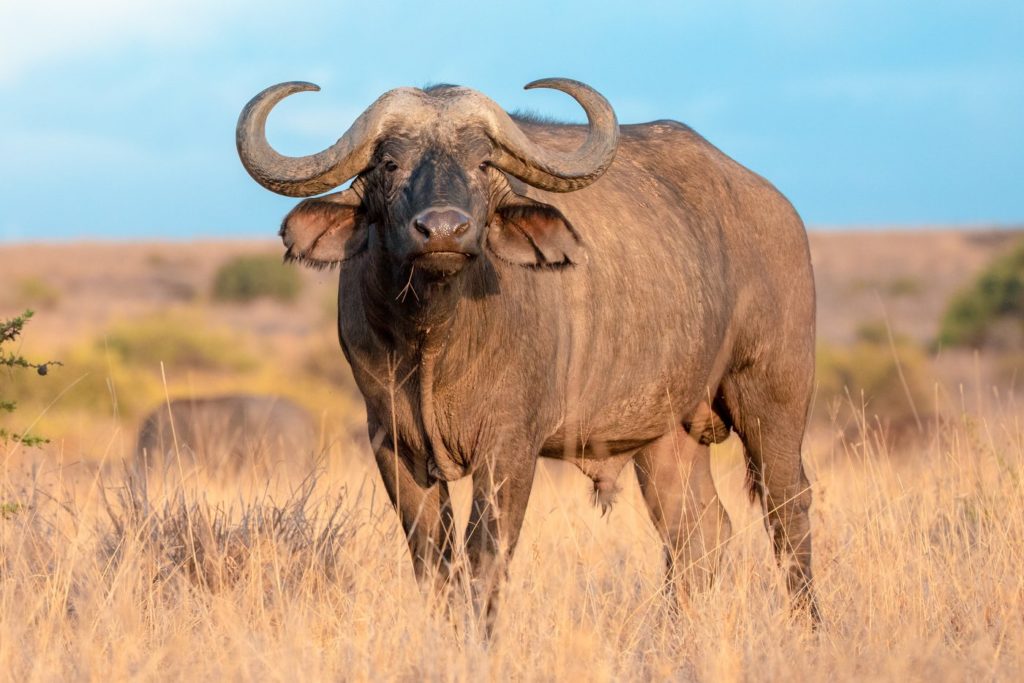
[512,289]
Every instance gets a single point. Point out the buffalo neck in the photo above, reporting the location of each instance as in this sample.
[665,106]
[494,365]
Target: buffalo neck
[437,331]
[414,314]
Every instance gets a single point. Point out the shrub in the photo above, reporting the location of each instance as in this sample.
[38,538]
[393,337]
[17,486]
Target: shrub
[180,341]
[119,370]
[324,361]
[249,277]
[35,292]
[870,371]
[904,286]
[990,312]
[10,330]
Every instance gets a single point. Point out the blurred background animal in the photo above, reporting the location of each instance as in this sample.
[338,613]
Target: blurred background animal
[229,434]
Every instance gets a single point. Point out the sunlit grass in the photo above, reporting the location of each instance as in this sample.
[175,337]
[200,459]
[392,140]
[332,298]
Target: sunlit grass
[105,575]
[110,381]
[917,561]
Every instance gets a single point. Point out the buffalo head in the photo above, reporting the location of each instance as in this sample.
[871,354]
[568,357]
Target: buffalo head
[429,189]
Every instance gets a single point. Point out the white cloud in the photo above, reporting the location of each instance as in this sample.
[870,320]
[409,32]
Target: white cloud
[38,33]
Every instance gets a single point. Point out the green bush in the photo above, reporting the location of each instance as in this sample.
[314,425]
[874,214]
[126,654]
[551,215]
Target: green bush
[902,286]
[870,371]
[245,278]
[991,311]
[37,293]
[325,362]
[10,330]
[178,340]
[120,369]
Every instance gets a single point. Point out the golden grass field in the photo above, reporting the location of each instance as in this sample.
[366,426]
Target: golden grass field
[108,575]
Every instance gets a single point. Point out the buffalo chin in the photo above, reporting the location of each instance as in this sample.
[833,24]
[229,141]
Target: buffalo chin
[441,263]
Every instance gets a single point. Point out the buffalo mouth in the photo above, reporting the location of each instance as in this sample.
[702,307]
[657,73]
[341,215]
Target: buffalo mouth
[442,263]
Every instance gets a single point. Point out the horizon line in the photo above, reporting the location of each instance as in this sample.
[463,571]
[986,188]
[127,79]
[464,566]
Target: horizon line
[1017,226]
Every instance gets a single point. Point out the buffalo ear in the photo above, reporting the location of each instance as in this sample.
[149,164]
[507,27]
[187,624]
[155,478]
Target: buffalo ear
[324,231]
[530,233]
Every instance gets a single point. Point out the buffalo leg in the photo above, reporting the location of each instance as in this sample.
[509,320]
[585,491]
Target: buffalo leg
[501,491]
[425,515]
[772,432]
[675,478]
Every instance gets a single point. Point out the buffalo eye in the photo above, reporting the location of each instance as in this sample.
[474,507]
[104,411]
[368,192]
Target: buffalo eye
[390,166]
[484,165]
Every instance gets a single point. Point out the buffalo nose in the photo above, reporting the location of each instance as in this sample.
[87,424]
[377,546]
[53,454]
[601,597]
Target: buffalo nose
[441,223]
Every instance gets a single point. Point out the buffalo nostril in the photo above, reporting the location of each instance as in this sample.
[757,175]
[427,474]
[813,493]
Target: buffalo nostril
[421,227]
[440,223]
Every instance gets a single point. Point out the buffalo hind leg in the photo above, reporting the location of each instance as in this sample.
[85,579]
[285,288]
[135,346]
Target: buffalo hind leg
[772,431]
[426,518]
[675,478]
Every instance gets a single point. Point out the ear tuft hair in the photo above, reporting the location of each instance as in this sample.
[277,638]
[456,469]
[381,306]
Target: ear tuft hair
[324,231]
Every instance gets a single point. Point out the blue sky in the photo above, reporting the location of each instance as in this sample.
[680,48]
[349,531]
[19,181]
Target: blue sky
[117,116]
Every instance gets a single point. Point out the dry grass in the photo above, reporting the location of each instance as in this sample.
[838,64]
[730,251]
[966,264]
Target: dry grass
[918,552]
[917,559]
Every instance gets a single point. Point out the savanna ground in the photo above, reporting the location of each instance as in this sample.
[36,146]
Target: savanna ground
[192,574]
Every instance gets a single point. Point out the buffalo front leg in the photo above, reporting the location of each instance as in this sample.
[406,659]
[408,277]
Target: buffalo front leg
[675,478]
[501,491]
[425,515]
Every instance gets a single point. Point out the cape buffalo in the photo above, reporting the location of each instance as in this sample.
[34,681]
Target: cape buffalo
[228,434]
[512,288]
